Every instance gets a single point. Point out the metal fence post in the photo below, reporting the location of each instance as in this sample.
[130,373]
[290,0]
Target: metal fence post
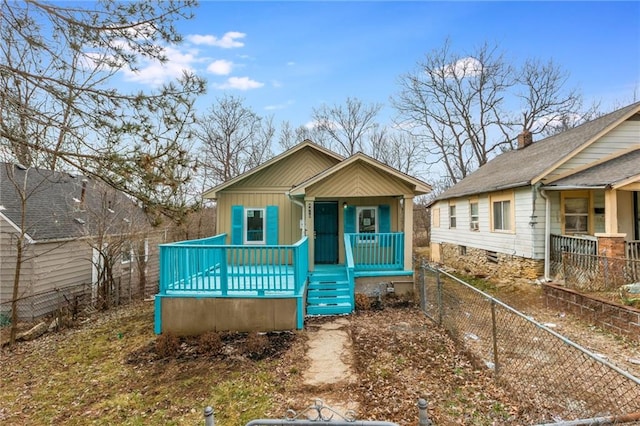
[209,420]
[494,336]
[439,294]
[423,416]
[423,289]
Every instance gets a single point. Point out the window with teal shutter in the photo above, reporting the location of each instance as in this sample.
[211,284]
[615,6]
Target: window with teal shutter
[237,219]
[272,225]
[384,226]
[349,217]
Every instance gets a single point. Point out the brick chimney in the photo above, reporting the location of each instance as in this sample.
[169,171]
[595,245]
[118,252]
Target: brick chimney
[525,139]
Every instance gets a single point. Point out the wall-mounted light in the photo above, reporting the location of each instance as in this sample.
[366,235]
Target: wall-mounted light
[344,205]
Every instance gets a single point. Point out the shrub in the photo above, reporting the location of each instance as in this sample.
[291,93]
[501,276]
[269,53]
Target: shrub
[256,345]
[167,345]
[363,303]
[210,343]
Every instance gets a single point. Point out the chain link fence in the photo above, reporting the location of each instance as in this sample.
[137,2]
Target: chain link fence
[73,301]
[535,363]
[595,273]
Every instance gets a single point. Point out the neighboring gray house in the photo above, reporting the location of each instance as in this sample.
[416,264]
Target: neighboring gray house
[68,226]
[578,191]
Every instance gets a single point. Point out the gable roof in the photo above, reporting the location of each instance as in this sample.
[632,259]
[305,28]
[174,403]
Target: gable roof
[419,187]
[61,205]
[529,165]
[212,193]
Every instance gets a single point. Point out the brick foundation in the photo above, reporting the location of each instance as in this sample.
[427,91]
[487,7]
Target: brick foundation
[496,266]
[621,320]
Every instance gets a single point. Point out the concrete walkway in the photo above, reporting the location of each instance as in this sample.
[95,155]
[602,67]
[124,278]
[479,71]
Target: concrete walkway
[330,356]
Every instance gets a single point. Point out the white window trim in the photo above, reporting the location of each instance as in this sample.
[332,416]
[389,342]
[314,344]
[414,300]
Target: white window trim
[474,225]
[376,217]
[246,227]
[453,219]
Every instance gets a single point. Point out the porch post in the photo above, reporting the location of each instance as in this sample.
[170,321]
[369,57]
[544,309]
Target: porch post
[610,211]
[408,232]
[308,211]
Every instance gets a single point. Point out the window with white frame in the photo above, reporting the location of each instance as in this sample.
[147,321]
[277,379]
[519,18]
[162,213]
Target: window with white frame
[576,215]
[473,216]
[367,223]
[452,216]
[501,211]
[254,226]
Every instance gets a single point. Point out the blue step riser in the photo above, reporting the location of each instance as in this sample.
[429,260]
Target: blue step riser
[329,293]
[328,310]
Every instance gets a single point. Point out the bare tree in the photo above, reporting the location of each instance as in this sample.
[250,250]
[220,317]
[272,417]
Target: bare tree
[346,126]
[60,109]
[458,105]
[397,149]
[233,138]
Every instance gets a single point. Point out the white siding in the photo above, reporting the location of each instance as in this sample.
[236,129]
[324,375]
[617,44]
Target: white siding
[624,137]
[519,243]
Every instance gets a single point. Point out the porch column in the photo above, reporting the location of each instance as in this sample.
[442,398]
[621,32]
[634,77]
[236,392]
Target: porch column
[308,212]
[408,232]
[611,245]
[610,211]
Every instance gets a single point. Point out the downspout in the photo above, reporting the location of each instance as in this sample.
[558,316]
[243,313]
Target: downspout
[301,205]
[547,232]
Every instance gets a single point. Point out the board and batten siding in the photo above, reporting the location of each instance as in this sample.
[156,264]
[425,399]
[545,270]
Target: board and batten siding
[521,242]
[289,214]
[621,139]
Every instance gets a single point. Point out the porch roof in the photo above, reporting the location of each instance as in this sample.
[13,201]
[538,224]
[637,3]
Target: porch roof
[619,170]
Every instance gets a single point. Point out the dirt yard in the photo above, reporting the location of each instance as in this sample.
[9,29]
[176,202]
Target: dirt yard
[111,369]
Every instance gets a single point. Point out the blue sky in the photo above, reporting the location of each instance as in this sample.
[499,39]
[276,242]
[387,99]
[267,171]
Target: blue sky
[285,58]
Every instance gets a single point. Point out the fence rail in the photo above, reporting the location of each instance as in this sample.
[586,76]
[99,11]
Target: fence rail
[380,251]
[536,364]
[208,265]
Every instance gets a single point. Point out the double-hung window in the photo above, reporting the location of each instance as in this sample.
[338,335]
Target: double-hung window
[254,226]
[576,213]
[473,216]
[502,213]
[452,216]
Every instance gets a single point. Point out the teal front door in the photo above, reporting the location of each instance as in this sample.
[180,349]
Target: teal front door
[325,229]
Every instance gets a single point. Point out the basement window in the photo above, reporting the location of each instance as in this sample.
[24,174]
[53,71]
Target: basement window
[462,250]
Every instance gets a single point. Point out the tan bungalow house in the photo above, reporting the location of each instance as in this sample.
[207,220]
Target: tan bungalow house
[300,235]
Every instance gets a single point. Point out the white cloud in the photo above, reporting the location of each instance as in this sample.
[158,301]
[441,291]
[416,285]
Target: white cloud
[279,106]
[291,63]
[156,73]
[220,67]
[465,67]
[228,40]
[239,83]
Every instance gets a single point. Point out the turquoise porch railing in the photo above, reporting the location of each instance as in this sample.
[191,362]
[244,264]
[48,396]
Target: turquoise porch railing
[376,252]
[209,266]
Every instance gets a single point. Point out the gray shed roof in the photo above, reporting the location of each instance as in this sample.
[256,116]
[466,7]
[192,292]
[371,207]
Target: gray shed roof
[520,167]
[55,208]
[609,173]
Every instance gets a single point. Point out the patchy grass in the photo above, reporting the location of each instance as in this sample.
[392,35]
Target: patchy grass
[110,371]
[107,372]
